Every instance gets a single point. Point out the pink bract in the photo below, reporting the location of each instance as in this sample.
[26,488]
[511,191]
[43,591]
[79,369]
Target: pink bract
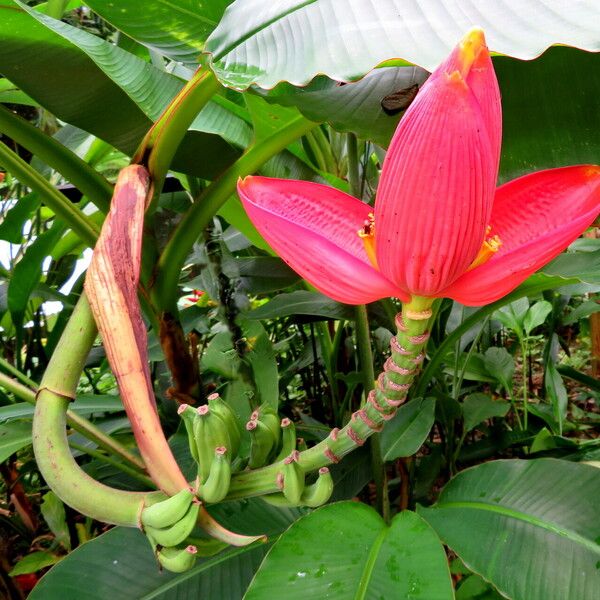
[436,204]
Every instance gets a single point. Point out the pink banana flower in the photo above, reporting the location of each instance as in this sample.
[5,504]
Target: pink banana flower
[439,227]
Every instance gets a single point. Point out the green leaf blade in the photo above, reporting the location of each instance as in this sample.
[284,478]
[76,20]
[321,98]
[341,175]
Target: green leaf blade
[522,515]
[345,550]
[256,42]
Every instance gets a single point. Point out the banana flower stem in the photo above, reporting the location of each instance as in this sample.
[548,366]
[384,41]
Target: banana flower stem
[383,402]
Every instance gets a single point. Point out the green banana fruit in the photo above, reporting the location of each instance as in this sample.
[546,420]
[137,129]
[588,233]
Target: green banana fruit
[222,409]
[177,560]
[188,416]
[210,432]
[261,443]
[169,511]
[202,438]
[277,499]
[318,492]
[313,495]
[293,478]
[217,485]
[288,439]
[301,444]
[176,533]
[267,414]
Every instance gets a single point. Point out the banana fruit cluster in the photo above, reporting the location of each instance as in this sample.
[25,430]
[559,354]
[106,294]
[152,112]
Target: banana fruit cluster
[214,440]
[167,524]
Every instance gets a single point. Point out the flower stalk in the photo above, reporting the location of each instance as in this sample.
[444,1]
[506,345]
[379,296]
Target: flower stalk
[407,352]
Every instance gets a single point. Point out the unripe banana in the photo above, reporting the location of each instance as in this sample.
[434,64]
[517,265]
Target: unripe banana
[169,511]
[293,478]
[176,533]
[217,485]
[188,416]
[205,449]
[210,432]
[223,410]
[288,439]
[261,443]
[267,414]
[177,560]
[320,491]
[277,499]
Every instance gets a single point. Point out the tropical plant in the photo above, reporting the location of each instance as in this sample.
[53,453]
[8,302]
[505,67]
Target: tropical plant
[228,416]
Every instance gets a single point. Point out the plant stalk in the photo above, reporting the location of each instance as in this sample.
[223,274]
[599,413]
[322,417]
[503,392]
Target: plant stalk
[198,216]
[383,403]
[54,154]
[51,197]
[55,461]
[159,145]
[365,361]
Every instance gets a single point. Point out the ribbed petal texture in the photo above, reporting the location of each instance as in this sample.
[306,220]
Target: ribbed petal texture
[536,217]
[436,189]
[314,229]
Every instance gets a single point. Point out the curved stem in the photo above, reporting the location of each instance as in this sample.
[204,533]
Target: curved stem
[164,292]
[162,140]
[51,197]
[54,154]
[58,467]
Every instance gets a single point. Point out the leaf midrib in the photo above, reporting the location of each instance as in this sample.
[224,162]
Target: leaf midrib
[365,578]
[527,518]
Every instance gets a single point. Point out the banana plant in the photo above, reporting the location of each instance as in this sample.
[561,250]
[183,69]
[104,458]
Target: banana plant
[286,171]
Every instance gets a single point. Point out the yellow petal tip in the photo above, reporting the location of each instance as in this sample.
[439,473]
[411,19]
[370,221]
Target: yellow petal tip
[469,48]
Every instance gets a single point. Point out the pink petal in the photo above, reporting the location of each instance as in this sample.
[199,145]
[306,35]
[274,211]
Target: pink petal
[437,185]
[481,79]
[314,229]
[536,217]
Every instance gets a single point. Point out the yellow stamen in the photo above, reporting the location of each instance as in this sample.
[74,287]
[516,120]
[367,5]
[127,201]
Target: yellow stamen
[367,234]
[490,246]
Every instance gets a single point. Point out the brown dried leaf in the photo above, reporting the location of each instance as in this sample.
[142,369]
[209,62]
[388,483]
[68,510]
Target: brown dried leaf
[111,285]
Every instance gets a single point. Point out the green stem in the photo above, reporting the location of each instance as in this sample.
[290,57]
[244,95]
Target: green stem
[4,364]
[325,147]
[160,143]
[80,424]
[210,201]
[319,158]
[525,375]
[365,361]
[353,166]
[58,467]
[392,387]
[16,388]
[334,358]
[326,350]
[55,155]
[96,435]
[51,197]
